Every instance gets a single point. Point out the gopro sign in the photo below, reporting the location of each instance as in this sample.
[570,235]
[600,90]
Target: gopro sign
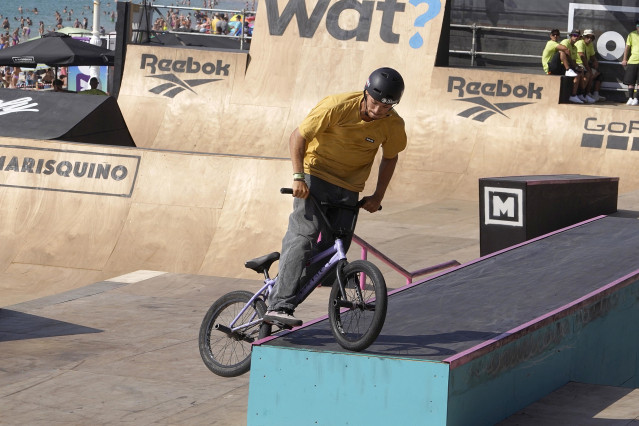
[503,206]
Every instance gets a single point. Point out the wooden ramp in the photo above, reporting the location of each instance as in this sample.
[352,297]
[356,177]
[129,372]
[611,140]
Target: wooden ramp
[212,129]
[92,212]
[462,124]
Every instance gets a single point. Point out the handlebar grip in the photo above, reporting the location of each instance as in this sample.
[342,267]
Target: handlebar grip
[286,190]
[362,201]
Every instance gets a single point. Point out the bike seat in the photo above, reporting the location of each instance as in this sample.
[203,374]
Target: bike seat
[262,263]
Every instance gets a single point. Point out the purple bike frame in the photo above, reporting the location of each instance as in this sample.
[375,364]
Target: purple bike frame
[337,252]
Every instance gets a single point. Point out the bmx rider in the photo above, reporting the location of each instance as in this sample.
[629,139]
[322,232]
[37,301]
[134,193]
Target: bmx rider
[332,152]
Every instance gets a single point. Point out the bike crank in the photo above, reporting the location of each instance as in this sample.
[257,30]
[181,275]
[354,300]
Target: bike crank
[354,305]
[233,334]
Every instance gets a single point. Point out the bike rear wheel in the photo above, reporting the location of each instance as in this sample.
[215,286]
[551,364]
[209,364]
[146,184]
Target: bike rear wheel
[228,353]
[357,320]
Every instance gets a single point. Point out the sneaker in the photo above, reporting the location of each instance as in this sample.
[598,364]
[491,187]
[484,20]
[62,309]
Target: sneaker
[575,99]
[597,97]
[582,99]
[629,101]
[570,73]
[635,102]
[282,317]
[589,99]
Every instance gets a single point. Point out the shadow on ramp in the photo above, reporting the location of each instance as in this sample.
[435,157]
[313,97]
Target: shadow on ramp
[15,325]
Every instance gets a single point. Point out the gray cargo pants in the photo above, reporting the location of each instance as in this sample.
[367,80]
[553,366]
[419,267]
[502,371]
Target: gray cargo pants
[300,241]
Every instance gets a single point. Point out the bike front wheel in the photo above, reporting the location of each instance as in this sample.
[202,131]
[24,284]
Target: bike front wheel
[357,320]
[226,352]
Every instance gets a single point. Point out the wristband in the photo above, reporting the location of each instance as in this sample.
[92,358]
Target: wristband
[298,176]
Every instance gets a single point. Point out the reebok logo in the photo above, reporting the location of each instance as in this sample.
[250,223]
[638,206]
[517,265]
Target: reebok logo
[173,84]
[483,108]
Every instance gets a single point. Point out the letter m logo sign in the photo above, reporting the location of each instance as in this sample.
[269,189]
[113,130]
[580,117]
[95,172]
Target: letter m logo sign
[503,206]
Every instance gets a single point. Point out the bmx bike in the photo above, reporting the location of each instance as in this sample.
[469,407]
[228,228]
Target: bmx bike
[356,308]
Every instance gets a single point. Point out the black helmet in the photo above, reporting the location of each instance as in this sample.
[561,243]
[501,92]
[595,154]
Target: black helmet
[385,85]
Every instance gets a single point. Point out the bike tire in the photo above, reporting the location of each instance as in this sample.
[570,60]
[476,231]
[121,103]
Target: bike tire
[356,328]
[223,354]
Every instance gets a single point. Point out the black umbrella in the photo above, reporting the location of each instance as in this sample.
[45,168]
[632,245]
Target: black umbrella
[55,49]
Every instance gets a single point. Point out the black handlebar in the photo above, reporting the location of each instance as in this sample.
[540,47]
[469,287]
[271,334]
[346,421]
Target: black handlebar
[359,204]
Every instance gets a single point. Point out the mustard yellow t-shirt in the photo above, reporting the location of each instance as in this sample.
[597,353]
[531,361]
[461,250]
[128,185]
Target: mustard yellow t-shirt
[341,147]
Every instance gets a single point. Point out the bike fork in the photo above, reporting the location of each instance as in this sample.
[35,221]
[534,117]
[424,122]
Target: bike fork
[341,281]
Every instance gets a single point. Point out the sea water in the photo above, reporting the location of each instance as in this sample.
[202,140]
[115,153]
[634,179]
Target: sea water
[80,9]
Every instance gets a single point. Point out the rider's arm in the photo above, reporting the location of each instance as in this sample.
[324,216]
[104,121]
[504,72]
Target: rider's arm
[626,52]
[386,170]
[297,148]
[584,60]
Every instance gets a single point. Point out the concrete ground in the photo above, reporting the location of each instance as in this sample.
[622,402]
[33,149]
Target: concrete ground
[125,350]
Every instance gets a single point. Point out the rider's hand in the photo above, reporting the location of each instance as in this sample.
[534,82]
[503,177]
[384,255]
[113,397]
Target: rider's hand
[371,204]
[300,190]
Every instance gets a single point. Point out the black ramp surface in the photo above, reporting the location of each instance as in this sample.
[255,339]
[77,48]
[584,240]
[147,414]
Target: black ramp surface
[62,116]
[459,310]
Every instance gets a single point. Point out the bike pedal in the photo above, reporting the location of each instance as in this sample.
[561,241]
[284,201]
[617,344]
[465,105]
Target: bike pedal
[280,325]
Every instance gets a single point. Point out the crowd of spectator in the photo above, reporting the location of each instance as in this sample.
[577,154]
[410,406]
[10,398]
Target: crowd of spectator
[205,22]
[19,78]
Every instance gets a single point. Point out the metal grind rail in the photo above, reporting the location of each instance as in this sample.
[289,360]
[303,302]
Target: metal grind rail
[366,248]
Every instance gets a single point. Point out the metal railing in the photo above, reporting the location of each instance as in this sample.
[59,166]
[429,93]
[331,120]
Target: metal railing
[473,52]
[366,247]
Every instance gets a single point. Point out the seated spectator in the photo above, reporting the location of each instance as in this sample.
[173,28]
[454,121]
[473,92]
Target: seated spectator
[48,76]
[235,26]
[57,86]
[580,81]
[30,79]
[94,88]
[214,21]
[205,26]
[221,27]
[556,59]
[587,58]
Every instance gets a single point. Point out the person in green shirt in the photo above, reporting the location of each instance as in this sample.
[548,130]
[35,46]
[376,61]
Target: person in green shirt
[94,88]
[555,58]
[631,63]
[580,81]
[559,59]
[586,58]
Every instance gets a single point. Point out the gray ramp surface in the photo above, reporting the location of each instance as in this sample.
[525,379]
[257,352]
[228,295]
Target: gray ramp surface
[451,313]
